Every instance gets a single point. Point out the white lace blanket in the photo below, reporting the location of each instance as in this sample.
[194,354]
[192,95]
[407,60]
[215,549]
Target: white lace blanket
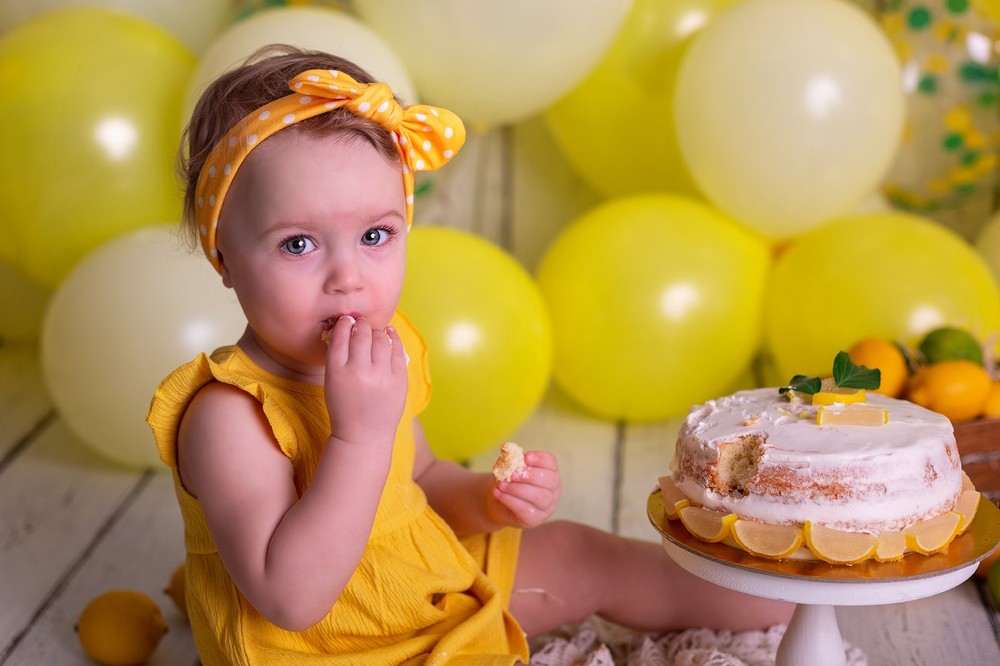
[597,643]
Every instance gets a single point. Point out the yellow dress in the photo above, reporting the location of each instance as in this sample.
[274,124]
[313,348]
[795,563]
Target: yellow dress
[420,595]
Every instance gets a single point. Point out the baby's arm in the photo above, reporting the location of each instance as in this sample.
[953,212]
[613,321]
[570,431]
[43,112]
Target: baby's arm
[475,502]
[289,556]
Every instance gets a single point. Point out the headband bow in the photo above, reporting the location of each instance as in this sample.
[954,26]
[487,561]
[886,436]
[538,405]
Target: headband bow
[426,137]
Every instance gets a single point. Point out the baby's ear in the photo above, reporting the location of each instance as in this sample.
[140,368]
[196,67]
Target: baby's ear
[224,270]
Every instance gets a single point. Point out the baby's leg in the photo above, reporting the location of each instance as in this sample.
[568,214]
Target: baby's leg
[567,571]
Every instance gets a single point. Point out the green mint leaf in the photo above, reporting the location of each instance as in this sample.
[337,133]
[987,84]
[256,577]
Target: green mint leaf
[802,384]
[848,375]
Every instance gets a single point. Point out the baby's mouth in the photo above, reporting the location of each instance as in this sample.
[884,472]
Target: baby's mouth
[328,324]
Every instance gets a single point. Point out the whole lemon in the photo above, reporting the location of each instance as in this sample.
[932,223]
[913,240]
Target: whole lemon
[957,389]
[121,628]
[948,343]
[888,358]
[175,589]
[991,409]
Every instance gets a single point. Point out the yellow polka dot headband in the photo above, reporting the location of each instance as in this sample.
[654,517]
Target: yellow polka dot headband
[425,136]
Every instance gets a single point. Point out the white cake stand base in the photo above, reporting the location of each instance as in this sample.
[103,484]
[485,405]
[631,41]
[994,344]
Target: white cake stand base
[813,635]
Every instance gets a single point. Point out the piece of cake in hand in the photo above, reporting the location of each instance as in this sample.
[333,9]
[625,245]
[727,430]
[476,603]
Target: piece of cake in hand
[511,460]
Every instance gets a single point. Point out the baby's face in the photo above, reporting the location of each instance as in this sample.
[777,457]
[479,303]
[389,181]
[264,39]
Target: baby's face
[311,229]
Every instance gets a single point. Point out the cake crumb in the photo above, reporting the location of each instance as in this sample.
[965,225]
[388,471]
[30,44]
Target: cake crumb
[511,461]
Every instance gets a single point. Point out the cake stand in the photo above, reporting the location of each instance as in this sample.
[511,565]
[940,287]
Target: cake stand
[817,588]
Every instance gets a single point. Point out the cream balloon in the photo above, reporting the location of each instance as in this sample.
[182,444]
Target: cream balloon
[129,313]
[316,28]
[789,112]
[194,22]
[496,61]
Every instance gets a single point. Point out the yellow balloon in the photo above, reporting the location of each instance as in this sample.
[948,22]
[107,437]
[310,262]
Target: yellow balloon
[502,61]
[655,304]
[988,244]
[317,28]
[891,275]
[194,22]
[789,111]
[22,306]
[616,127]
[128,314]
[90,135]
[488,337]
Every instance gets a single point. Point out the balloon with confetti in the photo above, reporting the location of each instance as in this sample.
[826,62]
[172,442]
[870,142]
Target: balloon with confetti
[947,165]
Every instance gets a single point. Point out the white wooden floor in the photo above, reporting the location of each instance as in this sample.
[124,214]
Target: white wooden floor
[73,525]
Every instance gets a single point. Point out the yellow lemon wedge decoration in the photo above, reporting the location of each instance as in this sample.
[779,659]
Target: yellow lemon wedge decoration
[765,540]
[966,505]
[858,414]
[842,396]
[934,534]
[706,524]
[967,482]
[891,546]
[673,499]
[837,546]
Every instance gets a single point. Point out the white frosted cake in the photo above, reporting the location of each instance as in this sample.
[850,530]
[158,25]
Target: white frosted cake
[757,457]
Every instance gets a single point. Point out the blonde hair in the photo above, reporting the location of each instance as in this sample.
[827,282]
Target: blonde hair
[263,78]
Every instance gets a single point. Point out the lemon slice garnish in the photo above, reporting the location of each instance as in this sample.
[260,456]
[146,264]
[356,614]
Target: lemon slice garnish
[765,540]
[839,547]
[866,415]
[842,396]
[934,534]
[891,546]
[966,505]
[706,524]
[673,499]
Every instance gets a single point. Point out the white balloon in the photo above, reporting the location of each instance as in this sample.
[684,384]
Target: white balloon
[497,61]
[194,22]
[789,112]
[313,28]
[130,312]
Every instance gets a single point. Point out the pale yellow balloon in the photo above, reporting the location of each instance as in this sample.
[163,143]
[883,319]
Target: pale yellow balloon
[789,111]
[496,61]
[129,313]
[194,22]
[315,28]
[617,126]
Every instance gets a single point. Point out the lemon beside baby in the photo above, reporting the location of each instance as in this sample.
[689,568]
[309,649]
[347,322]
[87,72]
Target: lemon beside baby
[121,628]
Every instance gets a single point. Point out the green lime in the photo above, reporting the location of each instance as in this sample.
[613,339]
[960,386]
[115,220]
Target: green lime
[993,583]
[948,344]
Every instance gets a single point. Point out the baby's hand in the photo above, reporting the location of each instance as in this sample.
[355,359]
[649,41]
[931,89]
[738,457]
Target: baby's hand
[365,382]
[532,494]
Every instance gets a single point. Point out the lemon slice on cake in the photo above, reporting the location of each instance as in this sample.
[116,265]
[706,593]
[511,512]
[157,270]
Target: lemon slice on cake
[837,546]
[966,505]
[706,524]
[891,546]
[934,534]
[765,540]
[673,499]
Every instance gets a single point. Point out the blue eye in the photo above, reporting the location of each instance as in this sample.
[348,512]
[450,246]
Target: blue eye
[375,236]
[297,245]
